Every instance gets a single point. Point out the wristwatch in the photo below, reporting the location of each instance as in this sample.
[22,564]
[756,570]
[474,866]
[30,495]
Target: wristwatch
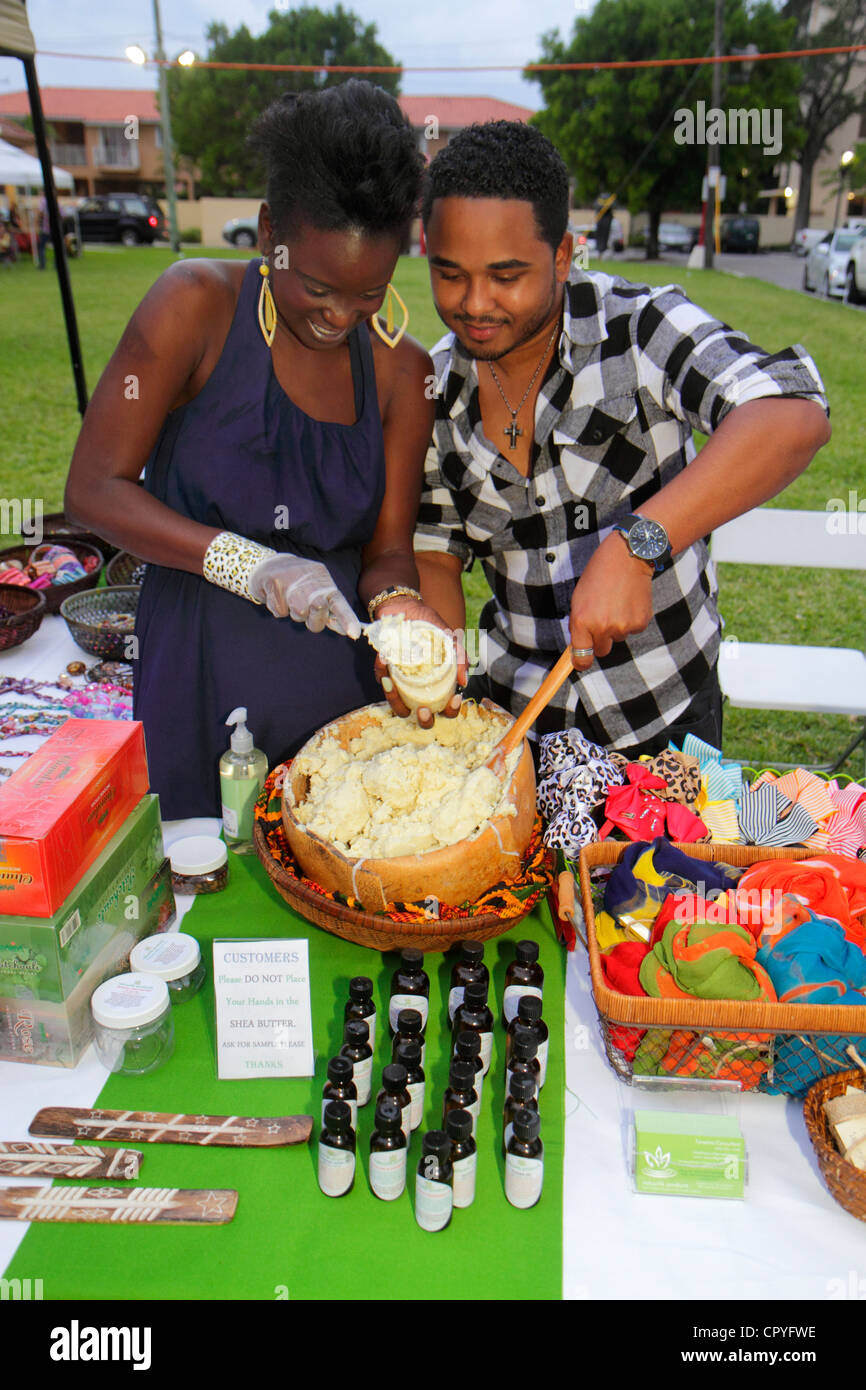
[646,540]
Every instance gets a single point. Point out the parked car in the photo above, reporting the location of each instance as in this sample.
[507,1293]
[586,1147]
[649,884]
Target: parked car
[855,271]
[826,265]
[740,234]
[131,218]
[673,236]
[242,231]
[806,238]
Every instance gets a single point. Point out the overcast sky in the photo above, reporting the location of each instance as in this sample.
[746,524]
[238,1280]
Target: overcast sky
[449,31]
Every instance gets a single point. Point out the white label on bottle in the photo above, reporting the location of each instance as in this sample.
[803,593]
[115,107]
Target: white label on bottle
[509,1130]
[370,1021]
[407,1001]
[336,1170]
[406,1119]
[416,1091]
[524,1178]
[486,1050]
[352,1104]
[363,1079]
[543,1049]
[455,999]
[230,820]
[513,996]
[464,1180]
[388,1173]
[474,1110]
[433,1203]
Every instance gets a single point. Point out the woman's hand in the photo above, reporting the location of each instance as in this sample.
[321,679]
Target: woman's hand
[612,598]
[410,608]
[304,591]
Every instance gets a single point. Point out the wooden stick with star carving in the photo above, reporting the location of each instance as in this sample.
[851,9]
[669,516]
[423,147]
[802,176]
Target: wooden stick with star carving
[141,1206]
[150,1127]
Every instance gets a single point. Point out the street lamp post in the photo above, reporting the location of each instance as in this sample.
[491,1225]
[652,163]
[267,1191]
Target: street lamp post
[167,146]
[843,171]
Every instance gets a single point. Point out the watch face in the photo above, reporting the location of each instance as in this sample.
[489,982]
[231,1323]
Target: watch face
[647,539]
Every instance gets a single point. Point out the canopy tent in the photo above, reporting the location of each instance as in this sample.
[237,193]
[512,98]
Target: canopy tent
[24,171]
[16,41]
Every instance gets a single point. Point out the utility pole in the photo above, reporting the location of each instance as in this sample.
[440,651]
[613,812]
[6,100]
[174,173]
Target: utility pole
[714,157]
[167,146]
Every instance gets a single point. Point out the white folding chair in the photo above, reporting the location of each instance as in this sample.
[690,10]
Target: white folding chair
[813,680]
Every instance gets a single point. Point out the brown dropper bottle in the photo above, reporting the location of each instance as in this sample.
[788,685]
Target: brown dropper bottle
[394,1087]
[337,1150]
[410,987]
[523,976]
[360,1004]
[467,1046]
[409,1025]
[474,1016]
[467,969]
[529,1016]
[388,1152]
[522,1094]
[461,1093]
[340,1086]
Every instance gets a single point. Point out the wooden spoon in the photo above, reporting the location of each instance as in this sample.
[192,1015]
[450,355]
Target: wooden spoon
[542,697]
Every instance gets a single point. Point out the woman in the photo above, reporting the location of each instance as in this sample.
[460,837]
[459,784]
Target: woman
[284,445]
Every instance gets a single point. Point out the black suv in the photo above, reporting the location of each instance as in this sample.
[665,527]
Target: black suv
[130,218]
[740,234]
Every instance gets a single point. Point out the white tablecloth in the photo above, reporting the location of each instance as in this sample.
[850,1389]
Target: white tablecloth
[788,1239]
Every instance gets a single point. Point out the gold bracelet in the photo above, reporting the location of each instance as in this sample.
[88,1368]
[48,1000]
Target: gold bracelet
[395,591]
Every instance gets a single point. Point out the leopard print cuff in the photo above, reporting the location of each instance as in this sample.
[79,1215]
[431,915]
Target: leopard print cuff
[230,560]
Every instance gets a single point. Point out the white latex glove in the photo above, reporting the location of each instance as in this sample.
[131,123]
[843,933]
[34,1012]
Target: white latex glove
[303,590]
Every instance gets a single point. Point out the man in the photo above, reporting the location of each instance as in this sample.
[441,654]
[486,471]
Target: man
[565,408]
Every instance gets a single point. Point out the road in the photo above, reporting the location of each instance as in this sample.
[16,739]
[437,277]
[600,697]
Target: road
[781,268]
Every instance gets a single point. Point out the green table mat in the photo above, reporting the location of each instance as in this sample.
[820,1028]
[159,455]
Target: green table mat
[287,1239]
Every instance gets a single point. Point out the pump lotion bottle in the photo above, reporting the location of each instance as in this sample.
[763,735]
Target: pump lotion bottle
[243,770]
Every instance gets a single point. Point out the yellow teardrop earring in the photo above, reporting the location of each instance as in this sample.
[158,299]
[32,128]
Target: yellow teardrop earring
[267,307]
[388,333]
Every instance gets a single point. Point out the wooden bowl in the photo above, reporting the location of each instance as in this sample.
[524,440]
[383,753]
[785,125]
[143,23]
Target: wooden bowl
[456,874]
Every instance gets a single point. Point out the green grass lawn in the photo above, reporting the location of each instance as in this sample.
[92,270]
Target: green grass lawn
[39,424]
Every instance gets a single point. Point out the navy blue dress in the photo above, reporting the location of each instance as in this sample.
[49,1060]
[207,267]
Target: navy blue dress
[242,457]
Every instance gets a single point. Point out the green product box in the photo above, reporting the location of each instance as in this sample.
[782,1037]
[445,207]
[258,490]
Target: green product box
[45,957]
[688,1155]
[56,1034]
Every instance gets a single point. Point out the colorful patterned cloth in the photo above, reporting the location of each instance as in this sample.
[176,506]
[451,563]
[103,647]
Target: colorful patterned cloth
[809,960]
[706,961]
[642,880]
[832,886]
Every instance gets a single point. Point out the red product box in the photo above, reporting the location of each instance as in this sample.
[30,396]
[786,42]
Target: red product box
[61,807]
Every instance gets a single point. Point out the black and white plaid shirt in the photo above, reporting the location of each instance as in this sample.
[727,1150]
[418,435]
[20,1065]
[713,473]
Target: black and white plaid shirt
[637,370]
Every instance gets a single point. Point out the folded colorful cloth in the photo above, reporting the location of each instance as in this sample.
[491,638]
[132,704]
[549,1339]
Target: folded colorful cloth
[707,961]
[698,1054]
[571,829]
[636,810]
[802,1059]
[809,960]
[575,775]
[831,884]
[767,817]
[621,967]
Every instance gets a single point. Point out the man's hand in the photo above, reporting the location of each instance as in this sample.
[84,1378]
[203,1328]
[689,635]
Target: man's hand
[612,598]
[409,608]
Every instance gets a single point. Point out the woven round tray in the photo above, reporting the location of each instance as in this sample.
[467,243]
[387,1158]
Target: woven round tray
[55,594]
[379,931]
[83,612]
[55,524]
[26,609]
[121,569]
[844,1182]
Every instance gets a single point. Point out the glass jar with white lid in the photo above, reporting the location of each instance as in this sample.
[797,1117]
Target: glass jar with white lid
[174,957]
[133,1024]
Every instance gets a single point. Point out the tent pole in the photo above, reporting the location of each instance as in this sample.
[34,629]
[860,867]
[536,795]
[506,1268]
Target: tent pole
[56,232]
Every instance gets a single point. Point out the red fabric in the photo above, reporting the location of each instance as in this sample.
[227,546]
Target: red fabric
[642,816]
[620,967]
[833,886]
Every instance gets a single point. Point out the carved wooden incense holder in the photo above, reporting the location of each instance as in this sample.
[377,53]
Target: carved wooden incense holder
[23,1159]
[148,1127]
[145,1206]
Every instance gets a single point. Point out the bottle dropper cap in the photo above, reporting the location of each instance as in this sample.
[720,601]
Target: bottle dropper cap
[410,1021]
[529,1008]
[527,952]
[521,1086]
[360,988]
[394,1078]
[524,1048]
[436,1141]
[412,959]
[472,951]
[340,1069]
[458,1125]
[241,739]
[475,994]
[461,1076]
[408,1053]
[338,1117]
[356,1032]
[468,1046]
[527,1124]
[387,1116]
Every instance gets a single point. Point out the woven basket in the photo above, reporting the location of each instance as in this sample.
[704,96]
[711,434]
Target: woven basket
[120,570]
[26,608]
[730,1022]
[55,594]
[57,525]
[844,1182]
[83,612]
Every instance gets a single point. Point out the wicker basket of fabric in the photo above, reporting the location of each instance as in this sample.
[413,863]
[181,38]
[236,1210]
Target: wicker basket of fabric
[426,926]
[21,612]
[770,1047]
[56,524]
[123,569]
[844,1182]
[55,594]
[94,621]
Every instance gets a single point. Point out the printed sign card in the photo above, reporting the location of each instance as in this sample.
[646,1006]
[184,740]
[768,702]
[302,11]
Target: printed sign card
[263,1015]
[681,1155]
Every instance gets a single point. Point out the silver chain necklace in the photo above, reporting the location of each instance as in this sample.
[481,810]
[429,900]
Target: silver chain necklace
[512,430]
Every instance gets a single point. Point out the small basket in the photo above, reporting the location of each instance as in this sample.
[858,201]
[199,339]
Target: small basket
[83,613]
[26,608]
[120,570]
[56,594]
[769,1047]
[55,524]
[844,1182]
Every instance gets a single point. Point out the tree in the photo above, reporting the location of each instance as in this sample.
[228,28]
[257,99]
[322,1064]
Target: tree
[602,122]
[212,110]
[829,90]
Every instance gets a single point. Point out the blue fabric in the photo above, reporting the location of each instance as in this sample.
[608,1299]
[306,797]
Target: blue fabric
[237,456]
[626,893]
[814,963]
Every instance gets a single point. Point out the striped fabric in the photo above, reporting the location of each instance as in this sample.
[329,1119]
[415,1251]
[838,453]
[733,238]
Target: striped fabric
[769,818]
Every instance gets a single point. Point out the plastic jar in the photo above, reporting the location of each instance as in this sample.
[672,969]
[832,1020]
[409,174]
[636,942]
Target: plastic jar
[199,864]
[134,1029]
[174,957]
